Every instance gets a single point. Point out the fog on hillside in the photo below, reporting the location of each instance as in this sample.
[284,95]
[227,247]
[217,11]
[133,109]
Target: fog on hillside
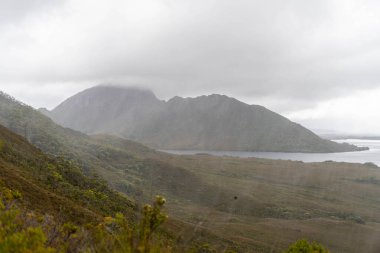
[203,126]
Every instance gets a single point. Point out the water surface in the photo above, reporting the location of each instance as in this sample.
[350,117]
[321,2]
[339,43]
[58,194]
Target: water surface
[371,155]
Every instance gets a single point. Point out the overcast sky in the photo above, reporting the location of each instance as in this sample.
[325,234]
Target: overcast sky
[316,62]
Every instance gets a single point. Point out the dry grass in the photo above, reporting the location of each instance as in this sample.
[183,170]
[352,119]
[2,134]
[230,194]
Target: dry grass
[334,203]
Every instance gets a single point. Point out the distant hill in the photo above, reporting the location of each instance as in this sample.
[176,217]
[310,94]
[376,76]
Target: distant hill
[349,136]
[214,122]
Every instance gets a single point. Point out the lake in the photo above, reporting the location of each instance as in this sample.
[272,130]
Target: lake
[371,155]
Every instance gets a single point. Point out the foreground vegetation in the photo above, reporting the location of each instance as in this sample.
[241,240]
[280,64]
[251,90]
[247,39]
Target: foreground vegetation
[303,246]
[25,231]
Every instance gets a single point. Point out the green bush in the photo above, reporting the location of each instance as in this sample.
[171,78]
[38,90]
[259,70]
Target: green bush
[303,246]
[26,232]
[15,235]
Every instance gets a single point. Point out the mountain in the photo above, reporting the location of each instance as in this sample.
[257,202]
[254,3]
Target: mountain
[214,122]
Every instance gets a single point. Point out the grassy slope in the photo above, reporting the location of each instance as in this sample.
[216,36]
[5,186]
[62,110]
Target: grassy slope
[334,203]
[54,186]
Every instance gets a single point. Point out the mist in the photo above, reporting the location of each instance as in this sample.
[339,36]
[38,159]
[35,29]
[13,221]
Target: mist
[292,57]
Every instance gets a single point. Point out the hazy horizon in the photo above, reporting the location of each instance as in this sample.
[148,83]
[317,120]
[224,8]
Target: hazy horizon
[315,63]
[319,131]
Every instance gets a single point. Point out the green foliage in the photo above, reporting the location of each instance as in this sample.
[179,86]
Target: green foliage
[152,219]
[204,248]
[24,241]
[118,234]
[24,232]
[15,235]
[61,177]
[303,246]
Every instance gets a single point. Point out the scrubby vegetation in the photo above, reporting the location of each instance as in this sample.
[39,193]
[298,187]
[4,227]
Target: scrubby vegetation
[303,246]
[23,231]
[17,230]
[57,183]
[48,205]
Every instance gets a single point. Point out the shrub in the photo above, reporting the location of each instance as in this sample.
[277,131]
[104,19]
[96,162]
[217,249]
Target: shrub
[303,246]
[23,232]
[15,235]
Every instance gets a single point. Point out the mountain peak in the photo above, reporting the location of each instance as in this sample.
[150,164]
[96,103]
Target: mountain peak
[208,122]
[121,88]
[212,98]
[106,96]
[104,91]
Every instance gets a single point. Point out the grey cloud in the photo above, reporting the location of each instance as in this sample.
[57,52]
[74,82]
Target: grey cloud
[13,11]
[297,51]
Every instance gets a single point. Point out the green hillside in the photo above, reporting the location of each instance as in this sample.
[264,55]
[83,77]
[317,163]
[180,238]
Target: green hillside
[52,185]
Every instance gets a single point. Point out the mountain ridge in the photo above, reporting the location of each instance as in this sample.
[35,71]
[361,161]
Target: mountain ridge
[208,122]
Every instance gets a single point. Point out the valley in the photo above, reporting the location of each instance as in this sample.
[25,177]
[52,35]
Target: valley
[333,203]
